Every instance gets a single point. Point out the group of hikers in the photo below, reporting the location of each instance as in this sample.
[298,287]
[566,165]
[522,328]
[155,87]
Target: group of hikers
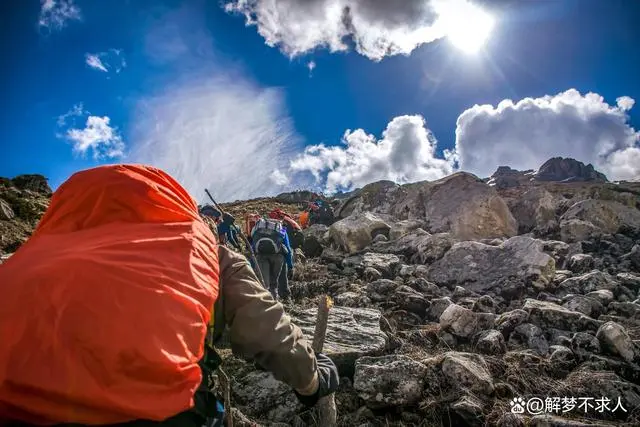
[272,238]
[111,310]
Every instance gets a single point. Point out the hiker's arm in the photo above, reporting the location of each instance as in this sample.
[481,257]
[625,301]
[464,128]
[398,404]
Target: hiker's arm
[289,255]
[259,328]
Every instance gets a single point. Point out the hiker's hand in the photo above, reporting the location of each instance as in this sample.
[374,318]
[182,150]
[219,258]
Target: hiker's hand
[328,381]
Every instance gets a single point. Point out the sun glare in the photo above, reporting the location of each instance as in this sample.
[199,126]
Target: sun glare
[465,25]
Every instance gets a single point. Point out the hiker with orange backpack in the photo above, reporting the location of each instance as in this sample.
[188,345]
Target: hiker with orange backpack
[109,312]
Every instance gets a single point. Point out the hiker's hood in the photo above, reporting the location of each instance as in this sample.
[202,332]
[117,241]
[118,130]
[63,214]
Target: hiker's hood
[117,193]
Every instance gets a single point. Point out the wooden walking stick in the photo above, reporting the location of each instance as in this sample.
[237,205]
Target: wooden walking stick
[326,406]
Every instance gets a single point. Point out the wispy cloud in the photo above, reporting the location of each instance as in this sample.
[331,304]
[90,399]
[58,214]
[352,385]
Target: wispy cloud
[55,14]
[111,60]
[212,127]
[97,135]
[377,28]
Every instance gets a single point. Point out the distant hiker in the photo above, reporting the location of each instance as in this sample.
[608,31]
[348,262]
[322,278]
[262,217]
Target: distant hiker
[226,228]
[320,212]
[109,311]
[274,255]
[293,229]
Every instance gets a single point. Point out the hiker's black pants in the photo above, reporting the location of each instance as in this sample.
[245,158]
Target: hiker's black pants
[274,273]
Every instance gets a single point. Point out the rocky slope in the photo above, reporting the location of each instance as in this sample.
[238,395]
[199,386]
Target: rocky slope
[469,302]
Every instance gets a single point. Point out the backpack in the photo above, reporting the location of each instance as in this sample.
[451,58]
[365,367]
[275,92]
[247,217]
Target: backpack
[267,236]
[76,345]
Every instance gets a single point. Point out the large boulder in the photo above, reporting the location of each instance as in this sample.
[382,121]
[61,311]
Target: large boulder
[351,333]
[418,246]
[608,217]
[401,228]
[389,381]
[356,232]
[314,240]
[534,210]
[568,170]
[577,230]
[467,208]
[479,267]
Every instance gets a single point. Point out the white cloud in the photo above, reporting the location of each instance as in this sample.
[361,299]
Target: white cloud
[625,103]
[55,14]
[99,137]
[526,133]
[75,111]
[211,127]
[111,60]
[279,178]
[311,65]
[405,153]
[377,28]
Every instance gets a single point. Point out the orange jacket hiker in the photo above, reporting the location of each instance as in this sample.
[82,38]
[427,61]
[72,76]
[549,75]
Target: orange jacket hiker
[104,310]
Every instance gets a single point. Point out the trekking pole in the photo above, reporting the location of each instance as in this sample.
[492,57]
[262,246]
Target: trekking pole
[246,242]
[326,406]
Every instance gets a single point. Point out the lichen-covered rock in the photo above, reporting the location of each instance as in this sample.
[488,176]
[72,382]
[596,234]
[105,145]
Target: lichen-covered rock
[606,215]
[389,381]
[356,232]
[491,342]
[580,263]
[586,305]
[463,322]
[577,230]
[550,315]
[401,228]
[583,344]
[507,322]
[480,267]
[615,340]
[351,333]
[582,285]
[531,337]
[261,393]
[468,371]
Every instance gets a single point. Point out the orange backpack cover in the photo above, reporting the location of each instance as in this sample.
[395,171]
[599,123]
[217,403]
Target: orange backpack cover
[104,311]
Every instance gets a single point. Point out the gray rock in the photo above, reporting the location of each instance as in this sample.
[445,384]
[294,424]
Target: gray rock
[351,333]
[583,343]
[580,263]
[6,213]
[469,409]
[389,381]
[481,267]
[356,232]
[577,230]
[438,306]
[351,299]
[593,281]
[534,210]
[510,420]
[402,228]
[467,371]
[615,340]
[261,393]
[629,280]
[491,343]
[508,321]
[380,238]
[606,215]
[589,383]
[603,296]
[625,309]
[561,355]
[463,322]
[387,264]
[549,315]
[531,336]
[586,305]
[370,274]
[485,304]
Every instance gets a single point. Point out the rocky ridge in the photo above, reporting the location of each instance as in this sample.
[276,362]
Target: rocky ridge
[460,301]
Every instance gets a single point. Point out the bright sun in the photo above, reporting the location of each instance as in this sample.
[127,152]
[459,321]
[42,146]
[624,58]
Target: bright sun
[465,25]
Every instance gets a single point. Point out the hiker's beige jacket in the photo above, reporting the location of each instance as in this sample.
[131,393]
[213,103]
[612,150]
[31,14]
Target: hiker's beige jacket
[260,329]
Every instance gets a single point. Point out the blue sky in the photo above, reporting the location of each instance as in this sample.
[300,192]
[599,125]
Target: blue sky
[299,99]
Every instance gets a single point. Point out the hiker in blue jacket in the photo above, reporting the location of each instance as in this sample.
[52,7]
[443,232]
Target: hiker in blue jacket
[274,255]
[227,230]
